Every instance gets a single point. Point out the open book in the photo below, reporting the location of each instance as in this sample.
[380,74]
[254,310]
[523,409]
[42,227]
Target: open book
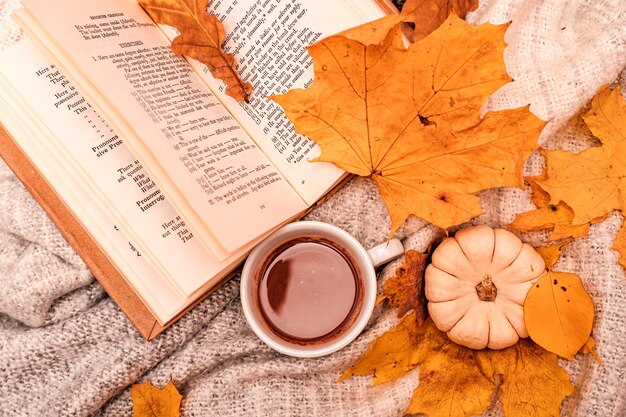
[173,180]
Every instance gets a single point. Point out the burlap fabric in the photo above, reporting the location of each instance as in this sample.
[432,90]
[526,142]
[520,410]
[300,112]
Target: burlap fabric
[66,349]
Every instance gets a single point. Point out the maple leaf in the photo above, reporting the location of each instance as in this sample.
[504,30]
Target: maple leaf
[425,15]
[557,218]
[411,118]
[201,37]
[558,311]
[533,383]
[593,182]
[405,290]
[150,401]
[451,383]
[456,381]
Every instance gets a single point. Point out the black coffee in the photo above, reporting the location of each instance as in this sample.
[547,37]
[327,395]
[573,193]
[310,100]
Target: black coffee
[309,290]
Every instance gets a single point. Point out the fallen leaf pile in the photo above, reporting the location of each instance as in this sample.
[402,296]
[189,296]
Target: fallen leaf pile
[455,381]
[150,401]
[458,382]
[593,182]
[411,118]
[576,190]
[201,37]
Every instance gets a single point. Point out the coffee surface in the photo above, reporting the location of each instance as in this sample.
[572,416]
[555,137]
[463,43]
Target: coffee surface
[309,290]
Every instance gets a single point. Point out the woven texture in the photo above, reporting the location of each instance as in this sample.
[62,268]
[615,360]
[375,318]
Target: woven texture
[67,350]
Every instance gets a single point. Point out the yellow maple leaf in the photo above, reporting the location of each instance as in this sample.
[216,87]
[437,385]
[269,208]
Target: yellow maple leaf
[593,182]
[533,384]
[150,401]
[405,290]
[451,383]
[425,15]
[201,37]
[397,351]
[411,118]
[459,382]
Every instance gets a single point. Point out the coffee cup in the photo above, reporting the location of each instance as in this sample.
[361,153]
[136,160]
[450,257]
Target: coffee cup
[302,314]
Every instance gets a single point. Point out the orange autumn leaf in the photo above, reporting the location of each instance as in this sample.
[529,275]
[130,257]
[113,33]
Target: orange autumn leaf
[593,182]
[428,15]
[201,37]
[550,254]
[425,15]
[538,195]
[533,382]
[455,381]
[557,218]
[150,401]
[411,118]
[559,313]
[397,351]
[405,290]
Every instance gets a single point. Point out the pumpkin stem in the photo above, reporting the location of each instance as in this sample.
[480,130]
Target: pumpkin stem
[486,290]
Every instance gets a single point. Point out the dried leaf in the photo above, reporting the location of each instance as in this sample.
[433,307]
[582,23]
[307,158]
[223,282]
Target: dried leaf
[459,382]
[557,217]
[559,313]
[405,290]
[397,351]
[533,382]
[150,401]
[538,195]
[592,182]
[374,32]
[201,37]
[551,253]
[411,118]
[451,383]
[426,16]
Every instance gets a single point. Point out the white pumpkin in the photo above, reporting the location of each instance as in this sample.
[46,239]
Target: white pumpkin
[476,286]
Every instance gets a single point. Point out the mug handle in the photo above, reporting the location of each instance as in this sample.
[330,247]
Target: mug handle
[385,252]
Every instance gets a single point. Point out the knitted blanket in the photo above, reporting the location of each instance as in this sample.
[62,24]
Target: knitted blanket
[67,350]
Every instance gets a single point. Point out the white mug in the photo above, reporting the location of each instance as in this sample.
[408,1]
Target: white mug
[367,261]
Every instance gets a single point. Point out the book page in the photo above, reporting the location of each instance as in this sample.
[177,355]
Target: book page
[212,173]
[269,40]
[155,293]
[19,86]
[113,179]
